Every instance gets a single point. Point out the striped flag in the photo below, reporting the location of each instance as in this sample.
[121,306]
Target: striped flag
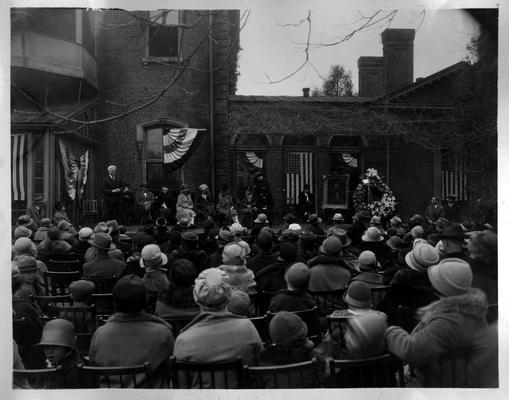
[454,178]
[178,145]
[299,172]
[19,166]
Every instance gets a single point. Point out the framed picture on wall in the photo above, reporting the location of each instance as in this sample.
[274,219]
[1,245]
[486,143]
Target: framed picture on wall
[335,191]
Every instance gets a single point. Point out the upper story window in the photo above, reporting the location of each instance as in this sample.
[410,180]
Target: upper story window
[162,35]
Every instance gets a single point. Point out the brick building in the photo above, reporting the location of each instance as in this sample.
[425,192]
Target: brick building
[100,65]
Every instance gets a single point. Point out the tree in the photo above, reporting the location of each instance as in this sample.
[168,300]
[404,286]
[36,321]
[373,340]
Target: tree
[337,83]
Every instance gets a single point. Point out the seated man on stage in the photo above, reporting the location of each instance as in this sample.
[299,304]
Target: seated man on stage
[204,205]
[248,207]
[144,201]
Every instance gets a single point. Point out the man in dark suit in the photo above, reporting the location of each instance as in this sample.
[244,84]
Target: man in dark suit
[434,210]
[451,209]
[37,210]
[112,193]
[306,204]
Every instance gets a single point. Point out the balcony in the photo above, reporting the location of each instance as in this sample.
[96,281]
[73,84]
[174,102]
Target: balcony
[38,52]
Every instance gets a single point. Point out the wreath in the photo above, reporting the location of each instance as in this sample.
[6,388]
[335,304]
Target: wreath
[372,196]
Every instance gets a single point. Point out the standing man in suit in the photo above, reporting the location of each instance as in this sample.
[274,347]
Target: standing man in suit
[434,211]
[306,204]
[112,193]
[37,210]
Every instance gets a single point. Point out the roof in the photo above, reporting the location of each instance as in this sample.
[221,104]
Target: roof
[422,82]
[300,99]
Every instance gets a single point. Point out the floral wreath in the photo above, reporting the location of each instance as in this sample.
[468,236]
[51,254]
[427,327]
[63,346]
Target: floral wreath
[371,182]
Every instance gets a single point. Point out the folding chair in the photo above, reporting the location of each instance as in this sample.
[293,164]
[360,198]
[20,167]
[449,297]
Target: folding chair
[136,376]
[37,378]
[64,265]
[90,210]
[219,375]
[104,306]
[103,285]
[57,283]
[84,320]
[381,371]
[329,301]
[45,301]
[288,376]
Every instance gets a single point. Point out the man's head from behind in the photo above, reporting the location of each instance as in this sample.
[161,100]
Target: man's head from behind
[129,294]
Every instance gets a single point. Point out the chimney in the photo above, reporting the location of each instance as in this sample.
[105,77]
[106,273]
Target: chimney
[398,50]
[371,76]
[305,92]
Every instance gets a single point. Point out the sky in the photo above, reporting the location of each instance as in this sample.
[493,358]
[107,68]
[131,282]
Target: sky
[273,48]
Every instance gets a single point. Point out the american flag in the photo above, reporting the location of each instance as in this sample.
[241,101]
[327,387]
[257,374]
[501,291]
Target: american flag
[19,166]
[299,171]
[454,178]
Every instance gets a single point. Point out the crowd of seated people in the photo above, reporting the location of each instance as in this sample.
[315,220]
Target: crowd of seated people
[356,291]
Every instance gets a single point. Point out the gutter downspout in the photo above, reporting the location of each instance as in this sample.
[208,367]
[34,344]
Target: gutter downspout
[212,108]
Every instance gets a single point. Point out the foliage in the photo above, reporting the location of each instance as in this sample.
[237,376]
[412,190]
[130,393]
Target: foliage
[337,83]
[372,196]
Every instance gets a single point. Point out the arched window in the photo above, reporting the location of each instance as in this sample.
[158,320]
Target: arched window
[152,138]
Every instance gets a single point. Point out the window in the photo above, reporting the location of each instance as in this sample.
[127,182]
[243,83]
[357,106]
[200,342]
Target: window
[153,155]
[163,35]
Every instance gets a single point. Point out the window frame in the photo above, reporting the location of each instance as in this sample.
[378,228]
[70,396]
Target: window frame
[147,58]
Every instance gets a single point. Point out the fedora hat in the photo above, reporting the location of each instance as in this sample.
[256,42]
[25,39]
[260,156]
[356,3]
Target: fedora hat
[343,237]
[25,220]
[151,256]
[113,226]
[102,241]
[452,231]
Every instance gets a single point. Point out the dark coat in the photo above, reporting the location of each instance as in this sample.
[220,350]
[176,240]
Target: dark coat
[434,212]
[104,266]
[261,260]
[328,273]
[29,333]
[291,300]
[198,257]
[272,277]
[110,184]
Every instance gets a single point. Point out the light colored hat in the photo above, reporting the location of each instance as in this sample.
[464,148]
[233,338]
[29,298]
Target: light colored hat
[22,231]
[417,231]
[367,331]
[337,217]
[101,227]
[23,245]
[102,241]
[237,228]
[396,221]
[372,234]
[151,256]
[203,187]
[234,254]
[261,219]
[367,261]
[422,256]
[25,220]
[343,237]
[212,289]
[85,233]
[451,276]
[295,228]
[331,246]
[376,220]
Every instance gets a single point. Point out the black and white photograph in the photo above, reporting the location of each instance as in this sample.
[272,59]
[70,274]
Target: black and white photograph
[253,195]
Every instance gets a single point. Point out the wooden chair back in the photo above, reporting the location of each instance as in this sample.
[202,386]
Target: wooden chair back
[262,326]
[64,265]
[219,375]
[37,378]
[43,302]
[103,285]
[133,377]
[381,371]
[329,301]
[288,376]
[57,283]
[104,306]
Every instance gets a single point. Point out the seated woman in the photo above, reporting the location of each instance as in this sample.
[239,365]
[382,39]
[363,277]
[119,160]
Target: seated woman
[185,204]
[60,214]
[226,211]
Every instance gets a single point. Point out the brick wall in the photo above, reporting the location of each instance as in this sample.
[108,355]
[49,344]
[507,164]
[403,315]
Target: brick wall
[124,78]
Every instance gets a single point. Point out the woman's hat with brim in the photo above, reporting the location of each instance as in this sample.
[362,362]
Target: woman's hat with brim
[422,256]
[367,262]
[372,234]
[102,241]
[343,237]
[25,220]
[261,219]
[152,257]
[58,332]
[358,295]
[26,263]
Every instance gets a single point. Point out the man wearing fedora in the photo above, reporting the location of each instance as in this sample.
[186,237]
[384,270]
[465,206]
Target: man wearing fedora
[103,265]
[37,210]
[373,240]
[452,242]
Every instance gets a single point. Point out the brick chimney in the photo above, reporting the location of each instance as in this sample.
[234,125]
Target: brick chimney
[305,92]
[398,51]
[371,76]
